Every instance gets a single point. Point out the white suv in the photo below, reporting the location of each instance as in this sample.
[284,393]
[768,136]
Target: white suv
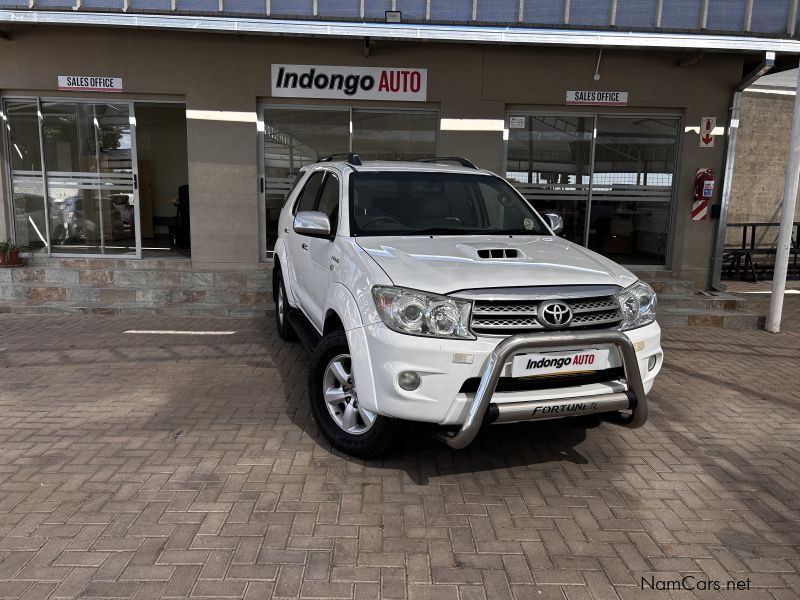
[435,292]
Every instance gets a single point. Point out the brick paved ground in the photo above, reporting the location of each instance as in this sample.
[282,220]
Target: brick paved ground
[146,466]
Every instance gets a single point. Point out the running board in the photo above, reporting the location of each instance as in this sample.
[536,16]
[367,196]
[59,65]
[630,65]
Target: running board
[537,410]
[309,337]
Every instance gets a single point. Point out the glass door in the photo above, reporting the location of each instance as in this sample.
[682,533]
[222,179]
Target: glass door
[634,167]
[549,162]
[609,176]
[294,138]
[91,177]
[298,136]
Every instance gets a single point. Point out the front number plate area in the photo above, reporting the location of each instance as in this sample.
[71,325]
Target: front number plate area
[559,363]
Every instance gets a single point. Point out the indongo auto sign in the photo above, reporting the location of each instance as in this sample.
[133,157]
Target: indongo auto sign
[344,83]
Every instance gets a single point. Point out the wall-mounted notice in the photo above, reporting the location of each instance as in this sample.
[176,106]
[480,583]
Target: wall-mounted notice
[597,98]
[90,83]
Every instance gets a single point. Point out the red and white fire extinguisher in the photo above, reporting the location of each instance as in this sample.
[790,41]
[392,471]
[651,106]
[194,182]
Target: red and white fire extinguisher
[703,191]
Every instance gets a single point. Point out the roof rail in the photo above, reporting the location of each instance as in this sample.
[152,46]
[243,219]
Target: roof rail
[352,158]
[462,161]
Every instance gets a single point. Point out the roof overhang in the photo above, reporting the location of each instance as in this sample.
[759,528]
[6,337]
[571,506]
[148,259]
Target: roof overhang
[480,34]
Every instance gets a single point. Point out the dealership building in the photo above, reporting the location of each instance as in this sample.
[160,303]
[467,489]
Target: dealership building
[149,144]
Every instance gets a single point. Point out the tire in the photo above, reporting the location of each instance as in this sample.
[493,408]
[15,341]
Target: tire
[285,330]
[370,435]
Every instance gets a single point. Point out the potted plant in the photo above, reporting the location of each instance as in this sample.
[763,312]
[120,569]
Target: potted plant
[4,248]
[13,254]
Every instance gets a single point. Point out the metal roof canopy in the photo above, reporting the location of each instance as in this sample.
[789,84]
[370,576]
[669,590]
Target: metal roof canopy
[407,32]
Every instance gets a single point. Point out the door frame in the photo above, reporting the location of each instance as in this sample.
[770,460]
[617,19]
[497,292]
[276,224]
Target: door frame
[101,99]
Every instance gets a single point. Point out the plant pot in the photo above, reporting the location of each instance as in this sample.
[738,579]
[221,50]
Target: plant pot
[13,257]
[3,258]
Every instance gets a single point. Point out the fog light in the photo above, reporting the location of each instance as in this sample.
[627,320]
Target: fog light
[408,380]
[651,363]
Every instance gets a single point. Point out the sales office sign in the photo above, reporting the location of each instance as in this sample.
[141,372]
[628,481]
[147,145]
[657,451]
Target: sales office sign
[90,84]
[350,83]
[597,98]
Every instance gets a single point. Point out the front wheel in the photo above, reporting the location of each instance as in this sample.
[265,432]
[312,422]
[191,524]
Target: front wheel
[333,392]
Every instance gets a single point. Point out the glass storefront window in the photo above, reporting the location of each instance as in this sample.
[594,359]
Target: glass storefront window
[394,135]
[27,183]
[296,137]
[609,176]
[82,200]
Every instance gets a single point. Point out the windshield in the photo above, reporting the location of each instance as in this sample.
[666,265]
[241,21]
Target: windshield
[430,203]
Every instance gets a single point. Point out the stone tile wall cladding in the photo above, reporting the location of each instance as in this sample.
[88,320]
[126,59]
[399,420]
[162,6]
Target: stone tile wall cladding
[127,286]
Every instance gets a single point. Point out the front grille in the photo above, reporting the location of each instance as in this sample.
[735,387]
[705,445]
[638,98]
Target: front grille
[507,317]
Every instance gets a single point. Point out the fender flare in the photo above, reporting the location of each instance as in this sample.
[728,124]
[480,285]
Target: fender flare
[342,302]
[279,265]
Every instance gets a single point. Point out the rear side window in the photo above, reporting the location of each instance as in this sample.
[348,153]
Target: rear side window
[308,197]
[329,200]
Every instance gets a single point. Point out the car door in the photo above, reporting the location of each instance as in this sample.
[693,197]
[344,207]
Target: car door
[298,245]
[321,250]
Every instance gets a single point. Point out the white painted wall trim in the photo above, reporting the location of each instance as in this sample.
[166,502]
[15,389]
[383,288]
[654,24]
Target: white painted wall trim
[405,31]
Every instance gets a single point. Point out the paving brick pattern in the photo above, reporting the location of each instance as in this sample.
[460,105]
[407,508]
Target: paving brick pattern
[146,466]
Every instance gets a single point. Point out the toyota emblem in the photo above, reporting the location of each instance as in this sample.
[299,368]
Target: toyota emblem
[554,315]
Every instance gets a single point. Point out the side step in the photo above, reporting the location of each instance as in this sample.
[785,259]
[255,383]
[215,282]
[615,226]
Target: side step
[305,331]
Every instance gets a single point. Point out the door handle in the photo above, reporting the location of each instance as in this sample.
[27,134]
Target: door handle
[135,182]
[304,246]
[285,230]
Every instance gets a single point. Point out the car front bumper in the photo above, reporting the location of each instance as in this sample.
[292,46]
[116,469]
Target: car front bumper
[379,355]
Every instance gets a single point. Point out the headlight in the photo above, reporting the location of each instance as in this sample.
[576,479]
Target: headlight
[638,304]
[421,313]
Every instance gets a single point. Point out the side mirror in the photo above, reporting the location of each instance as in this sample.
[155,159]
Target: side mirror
[556,222]
[313,223]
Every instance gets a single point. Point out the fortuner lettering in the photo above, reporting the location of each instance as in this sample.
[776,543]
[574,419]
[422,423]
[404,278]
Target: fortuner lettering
[564,408]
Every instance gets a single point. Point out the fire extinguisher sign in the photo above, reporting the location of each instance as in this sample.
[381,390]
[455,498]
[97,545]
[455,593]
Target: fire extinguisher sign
[707,127]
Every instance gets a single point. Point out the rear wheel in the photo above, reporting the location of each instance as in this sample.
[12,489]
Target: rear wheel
[285,329]
[333,392]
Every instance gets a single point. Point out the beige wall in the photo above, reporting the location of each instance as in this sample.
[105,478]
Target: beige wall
[226,72]
[760,169]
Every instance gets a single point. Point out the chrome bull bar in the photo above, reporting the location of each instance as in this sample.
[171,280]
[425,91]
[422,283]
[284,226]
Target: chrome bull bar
[634,399]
